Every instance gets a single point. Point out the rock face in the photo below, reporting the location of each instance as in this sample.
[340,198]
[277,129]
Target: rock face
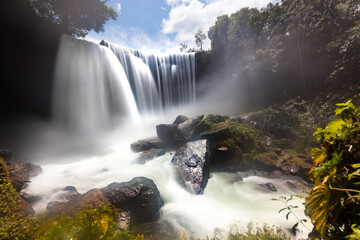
[140,196]
[192,166]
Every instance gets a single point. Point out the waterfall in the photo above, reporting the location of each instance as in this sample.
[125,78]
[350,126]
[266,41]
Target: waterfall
[159,81]
[90,87]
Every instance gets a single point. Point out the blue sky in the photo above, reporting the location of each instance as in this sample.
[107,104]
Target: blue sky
[161,25]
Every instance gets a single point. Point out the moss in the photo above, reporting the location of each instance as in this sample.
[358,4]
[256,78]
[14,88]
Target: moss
[233,147]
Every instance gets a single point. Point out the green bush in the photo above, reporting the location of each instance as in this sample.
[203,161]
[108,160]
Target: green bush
[334,203]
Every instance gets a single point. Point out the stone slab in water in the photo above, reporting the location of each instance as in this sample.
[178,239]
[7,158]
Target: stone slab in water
[192,166]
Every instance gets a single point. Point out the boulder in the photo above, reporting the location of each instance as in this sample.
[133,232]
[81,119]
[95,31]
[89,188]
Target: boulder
[140,196]
[175,135]
[93,198]
[21,172]
[268,186]
[150,154]
[146,144]
[192,166]
[30,198]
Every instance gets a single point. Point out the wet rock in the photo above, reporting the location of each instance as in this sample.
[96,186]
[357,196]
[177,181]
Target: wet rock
[146,144]
[236,179]
[291,185]
[213,131]
[6,155]
[175,135]
[124,219]
[93,198]
[22,172]
[29,197]
[158,230]
[268,186]
[150,154]
[180,119]
[304,170]
[140,196]
[192,166]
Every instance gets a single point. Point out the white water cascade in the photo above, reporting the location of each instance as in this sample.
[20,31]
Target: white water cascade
[94,88]
[158,81]
[90,86]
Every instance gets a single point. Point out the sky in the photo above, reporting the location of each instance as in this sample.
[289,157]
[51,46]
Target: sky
[161,25]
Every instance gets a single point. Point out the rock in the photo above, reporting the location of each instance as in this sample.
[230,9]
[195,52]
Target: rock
[187,128]
[236,179]
[93,198]
[291,185]
[29,197]
[304,170]
[158,230]
[124,219]
[150,154]
[175,135]
[192,166]
[22,172]
[180,119]
[146,144]
[6,155]
[140,196]
[70,192]
[268,186]
[213,131]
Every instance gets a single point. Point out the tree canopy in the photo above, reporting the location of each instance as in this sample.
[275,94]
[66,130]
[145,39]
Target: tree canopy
[291,48]
[75,17]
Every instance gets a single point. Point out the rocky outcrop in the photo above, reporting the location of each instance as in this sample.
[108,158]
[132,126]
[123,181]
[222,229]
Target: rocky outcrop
[138,199]
[146,144]
[150,154]
[192,166]
[21,172]
[268,186]
[140,196]
[175,135]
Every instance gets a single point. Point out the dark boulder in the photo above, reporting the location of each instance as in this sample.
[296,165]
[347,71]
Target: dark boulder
[175,135]
[150,154]
[192,166]
[146,144]
[140,196]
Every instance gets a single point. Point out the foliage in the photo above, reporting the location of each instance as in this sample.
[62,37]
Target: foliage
[199,38]
[289,48]
[76,17]
[13,223]
[333,203]
[289,208]
[234,142]
[253,233]
[90,223]
[183,47]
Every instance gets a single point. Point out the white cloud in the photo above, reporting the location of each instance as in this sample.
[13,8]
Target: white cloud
[134,38]
[118,7]
[186,17]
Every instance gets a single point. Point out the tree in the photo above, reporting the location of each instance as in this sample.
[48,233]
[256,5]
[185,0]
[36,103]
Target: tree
[183,47]
[199,39]
[75,17]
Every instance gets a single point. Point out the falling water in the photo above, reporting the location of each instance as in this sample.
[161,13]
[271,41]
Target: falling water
[90,86]
[158,81]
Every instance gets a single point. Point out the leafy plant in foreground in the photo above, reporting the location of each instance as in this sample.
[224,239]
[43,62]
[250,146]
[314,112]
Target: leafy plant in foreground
[334,203]
[286,201]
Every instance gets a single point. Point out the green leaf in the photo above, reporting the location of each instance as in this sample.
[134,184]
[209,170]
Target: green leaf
[282,210]
[287,215]
[293,229]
